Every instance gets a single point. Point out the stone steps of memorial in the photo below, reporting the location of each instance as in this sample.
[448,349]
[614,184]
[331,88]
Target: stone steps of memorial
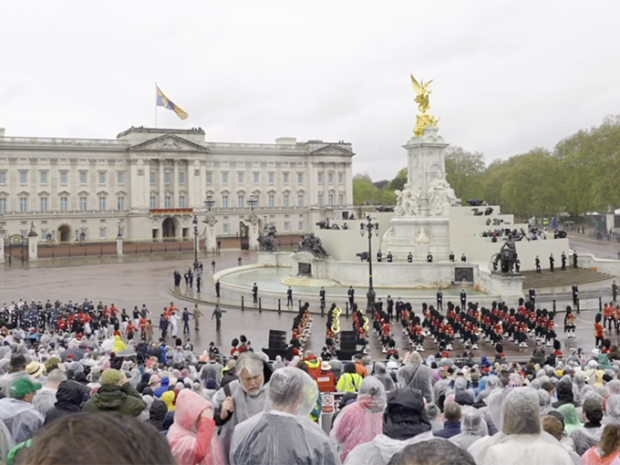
[306,281]
[560,278]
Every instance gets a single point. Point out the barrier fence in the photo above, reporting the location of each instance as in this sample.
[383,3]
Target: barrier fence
[590,299]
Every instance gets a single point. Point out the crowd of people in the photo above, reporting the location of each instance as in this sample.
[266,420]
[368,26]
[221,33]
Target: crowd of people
[64,364]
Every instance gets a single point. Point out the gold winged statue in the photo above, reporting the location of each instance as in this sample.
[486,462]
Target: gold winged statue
[423,91]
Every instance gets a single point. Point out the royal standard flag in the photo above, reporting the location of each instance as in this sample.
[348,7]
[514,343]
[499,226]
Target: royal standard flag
[163,101]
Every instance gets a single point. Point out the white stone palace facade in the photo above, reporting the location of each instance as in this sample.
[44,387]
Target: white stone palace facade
[148,183]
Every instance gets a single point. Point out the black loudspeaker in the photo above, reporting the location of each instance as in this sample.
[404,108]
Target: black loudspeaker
[345,355]
[286,354]
[277,339]
[348,340]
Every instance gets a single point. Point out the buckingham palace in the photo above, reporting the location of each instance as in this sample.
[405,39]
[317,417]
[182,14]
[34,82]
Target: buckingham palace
[148,183]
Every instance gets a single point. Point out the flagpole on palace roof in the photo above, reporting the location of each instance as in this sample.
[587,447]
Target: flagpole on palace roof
[155,105]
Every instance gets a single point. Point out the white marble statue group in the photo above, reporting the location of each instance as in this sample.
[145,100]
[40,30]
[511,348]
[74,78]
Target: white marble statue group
[408,201]
[440,196]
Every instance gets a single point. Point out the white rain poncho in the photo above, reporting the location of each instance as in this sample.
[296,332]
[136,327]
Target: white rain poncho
[44,399]
[521,440]
[21,418]
[404,422]
[8,379]
[578,383]
[612,407]
[246,407]
[284,434]
[415,375]
[381,375]
[544,402]
[614,386]
[6,442]
[473,427]
[434,415]
[590,434]
[492,383]
[362,420]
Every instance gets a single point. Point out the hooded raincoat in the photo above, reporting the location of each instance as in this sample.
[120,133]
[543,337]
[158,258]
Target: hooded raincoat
[381,375]
[246,407]
[564,391]
[613,410]
[362,420]
[520,440]
[164,387]
[69,399]
[415,375]
[473,427]
[404,422]
[113,398]
[191,437]
[277,436]
[571,419]
[118,344]
[21,418]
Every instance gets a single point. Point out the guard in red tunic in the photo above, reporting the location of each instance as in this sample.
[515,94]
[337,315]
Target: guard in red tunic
[448,336]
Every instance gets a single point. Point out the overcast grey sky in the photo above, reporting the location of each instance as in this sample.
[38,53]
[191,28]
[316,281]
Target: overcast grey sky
[508,76]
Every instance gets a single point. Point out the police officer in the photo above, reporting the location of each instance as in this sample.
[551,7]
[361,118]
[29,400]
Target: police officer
[429,258]
[289,297]
[451,257]
[255,293]
[389,257]
[463,257]
[351,294]
[410,257]
[563,258]
[440,300]
[537,261]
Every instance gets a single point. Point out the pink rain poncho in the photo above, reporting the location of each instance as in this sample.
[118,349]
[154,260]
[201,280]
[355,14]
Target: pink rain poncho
[362,420]
[192,440]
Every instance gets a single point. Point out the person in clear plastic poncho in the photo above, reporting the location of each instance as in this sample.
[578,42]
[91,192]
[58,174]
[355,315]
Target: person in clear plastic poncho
[247,398]
[192,436]
[473,427]
[613,410]
[404,422]
[571,418]
[414,374]
[362,420]
[521,440]
[283,434]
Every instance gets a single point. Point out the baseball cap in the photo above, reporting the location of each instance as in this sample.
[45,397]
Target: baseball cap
[23,386]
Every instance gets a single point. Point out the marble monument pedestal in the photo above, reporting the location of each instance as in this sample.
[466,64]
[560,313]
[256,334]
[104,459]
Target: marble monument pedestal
[418,236]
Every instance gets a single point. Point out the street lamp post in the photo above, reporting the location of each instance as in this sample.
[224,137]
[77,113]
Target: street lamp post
[252,202]
[195,223]
[369,227]
[209,202]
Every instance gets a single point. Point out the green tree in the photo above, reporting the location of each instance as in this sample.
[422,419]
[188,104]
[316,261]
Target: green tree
[399,181]
[364,191]
[465,173]
[532,189]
